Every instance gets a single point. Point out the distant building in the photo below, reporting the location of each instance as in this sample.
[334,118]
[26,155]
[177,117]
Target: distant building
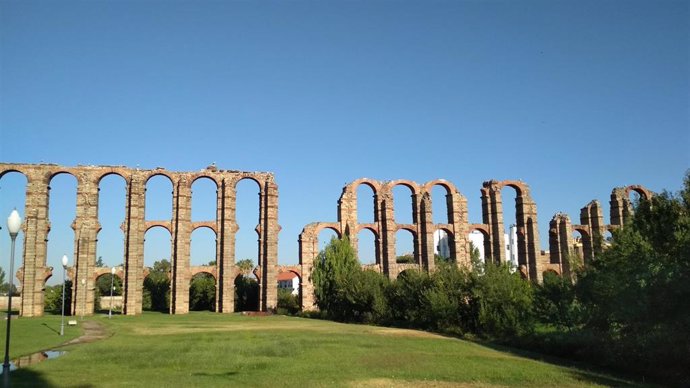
[477,238]
[288,281]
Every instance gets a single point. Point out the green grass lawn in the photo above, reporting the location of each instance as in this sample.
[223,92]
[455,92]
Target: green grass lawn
[205,349]
[29,335]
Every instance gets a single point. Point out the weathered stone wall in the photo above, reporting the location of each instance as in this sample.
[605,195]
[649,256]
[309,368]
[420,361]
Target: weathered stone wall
[34,272]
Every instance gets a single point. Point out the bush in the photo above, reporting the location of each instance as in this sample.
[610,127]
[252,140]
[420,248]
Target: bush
[53,298]
[287,302]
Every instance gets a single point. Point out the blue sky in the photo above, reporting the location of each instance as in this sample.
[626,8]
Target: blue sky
[573,97]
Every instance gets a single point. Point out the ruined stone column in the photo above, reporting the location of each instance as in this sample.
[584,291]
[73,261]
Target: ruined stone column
[561,243]
[528,235]
[457,217]
[270,229]
[227,231]
[427,234]
[347,215]
[308,246]
[494,218]
[134,228]
[35,230]
[621,208]
[182,230]
[86,228]
[593,217]
[387,234]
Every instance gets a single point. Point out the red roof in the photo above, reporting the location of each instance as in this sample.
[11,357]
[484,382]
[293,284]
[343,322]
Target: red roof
[286,276]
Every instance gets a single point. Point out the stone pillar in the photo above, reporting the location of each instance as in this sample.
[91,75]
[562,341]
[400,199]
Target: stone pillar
[134,228]
[388,235]
[86,230]
[494,218]
[621,208]
[528,235]
[347,215]
[427,233]
[308,246]
[593,217]
[269,259]
[561,243]
[457,217]
[182,230]
[416,219]
[35,230]
[227,231]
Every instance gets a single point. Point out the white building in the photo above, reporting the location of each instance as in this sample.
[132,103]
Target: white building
[477,239]
[290,281]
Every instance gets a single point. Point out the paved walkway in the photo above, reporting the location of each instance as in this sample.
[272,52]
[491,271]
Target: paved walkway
[93,331]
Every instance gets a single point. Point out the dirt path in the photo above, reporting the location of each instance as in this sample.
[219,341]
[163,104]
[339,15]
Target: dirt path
[93,331]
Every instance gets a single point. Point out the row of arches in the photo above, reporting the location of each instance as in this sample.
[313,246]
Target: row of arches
[115,216]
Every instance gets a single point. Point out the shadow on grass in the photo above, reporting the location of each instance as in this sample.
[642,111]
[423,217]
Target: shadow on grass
[50,328]
[582,372]
[29,378]
[220,374]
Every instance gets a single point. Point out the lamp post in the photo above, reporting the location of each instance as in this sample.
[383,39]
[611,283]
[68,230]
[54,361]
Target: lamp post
[112,286]
[64,282]
[83,303]
[14,222]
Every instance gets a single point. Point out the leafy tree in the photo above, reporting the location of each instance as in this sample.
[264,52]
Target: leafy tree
[99,262]
[636,294]
[156,294]
[343,290]
[53,298]
[245,265]
[202,292]
[555,302]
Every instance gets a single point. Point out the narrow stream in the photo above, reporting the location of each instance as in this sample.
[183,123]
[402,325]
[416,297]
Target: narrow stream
[35,358]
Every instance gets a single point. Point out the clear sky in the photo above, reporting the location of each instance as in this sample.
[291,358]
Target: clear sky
[572,97]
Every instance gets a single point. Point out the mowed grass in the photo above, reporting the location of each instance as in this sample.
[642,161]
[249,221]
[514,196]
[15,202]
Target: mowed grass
[205,349]
[30,335]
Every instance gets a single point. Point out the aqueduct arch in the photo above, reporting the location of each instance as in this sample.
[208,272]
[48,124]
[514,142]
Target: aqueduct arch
[34,271]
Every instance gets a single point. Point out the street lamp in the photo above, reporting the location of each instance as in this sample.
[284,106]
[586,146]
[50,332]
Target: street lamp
[64,282]
[83,303]
[112,286]
[14,222]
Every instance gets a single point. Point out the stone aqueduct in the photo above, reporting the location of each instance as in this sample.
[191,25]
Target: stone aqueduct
[531,260]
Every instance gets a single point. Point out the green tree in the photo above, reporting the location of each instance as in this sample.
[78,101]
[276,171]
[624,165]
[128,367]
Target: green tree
[202,292]
[52,301]
[636,294]
[246,293]
[555,302]
[288,302]
[407,258]
[245,265]
[156,294]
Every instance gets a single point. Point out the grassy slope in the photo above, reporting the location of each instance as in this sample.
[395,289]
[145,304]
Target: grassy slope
[228,350]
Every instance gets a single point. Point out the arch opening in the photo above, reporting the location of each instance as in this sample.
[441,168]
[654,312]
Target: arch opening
[366,247]
[159,198]
[110,246]
[203,247]
[443,246]
[13,187]
[440,204]
[477,241]
[324,237]
[289,295]
[202,292]
[247,239]
[510,222]
[246,292]
[103,302]
[62,212]
[204,199]
[157,247]
[405,253]
[366,204]
[403,202]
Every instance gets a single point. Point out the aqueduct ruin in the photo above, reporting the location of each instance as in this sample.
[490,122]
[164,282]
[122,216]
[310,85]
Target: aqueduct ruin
[532,261]
[34,272]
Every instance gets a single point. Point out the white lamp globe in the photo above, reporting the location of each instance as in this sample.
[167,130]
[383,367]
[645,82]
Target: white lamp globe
[112,271]
[64,260]
[14,222]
